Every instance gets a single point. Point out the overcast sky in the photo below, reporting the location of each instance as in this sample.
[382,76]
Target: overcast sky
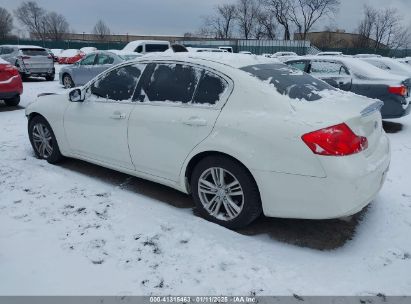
[175,17]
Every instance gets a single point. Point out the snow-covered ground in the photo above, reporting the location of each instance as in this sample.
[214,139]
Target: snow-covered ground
[77,229]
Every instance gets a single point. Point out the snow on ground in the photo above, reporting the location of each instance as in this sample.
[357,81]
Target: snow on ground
[78,229]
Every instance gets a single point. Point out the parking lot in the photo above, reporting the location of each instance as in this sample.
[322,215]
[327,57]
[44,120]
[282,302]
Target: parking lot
[73,228]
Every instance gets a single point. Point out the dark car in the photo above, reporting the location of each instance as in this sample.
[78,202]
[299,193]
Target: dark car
[362,78]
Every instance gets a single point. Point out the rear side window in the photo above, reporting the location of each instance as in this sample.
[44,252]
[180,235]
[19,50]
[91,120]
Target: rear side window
[172,82]
[118,84]
[89,60]
[289,81]
[34,52]
[156,48]
[328,68]
[210,89]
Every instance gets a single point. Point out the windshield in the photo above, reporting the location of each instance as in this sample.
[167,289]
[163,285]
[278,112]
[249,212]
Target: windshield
[289,81]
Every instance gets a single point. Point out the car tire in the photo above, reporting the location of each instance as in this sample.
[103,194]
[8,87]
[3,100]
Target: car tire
[50,77]
[43,140]
[12,102]
[238,205]
[68,82]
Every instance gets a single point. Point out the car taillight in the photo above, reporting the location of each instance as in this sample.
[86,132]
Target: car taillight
[13,71]
[337,140]
[398,90]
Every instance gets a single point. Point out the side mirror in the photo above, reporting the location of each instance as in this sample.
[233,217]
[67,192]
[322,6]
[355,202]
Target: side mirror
[76,95]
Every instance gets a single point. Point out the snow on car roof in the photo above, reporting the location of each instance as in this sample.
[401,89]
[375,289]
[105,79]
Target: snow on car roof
[359,67]
[131,46]
[69,53]
[228,59]
[25,46]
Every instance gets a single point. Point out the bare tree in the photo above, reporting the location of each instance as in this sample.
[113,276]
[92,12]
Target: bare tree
[220,25]
[101,30]
[305,13]
[366,27]
[266,25]
[281,10]
[32,17]
[247,12]
[56,26]
[6,23]
[386,24]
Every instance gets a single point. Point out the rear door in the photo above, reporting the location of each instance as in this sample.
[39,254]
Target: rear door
[332,72]
[177,107]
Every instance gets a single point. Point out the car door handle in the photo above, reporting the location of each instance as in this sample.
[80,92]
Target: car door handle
[118,115]
[195,122]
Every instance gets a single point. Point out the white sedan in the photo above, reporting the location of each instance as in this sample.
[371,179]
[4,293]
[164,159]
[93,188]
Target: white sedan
[243,134]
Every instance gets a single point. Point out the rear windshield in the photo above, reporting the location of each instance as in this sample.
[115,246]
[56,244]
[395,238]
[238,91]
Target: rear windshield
[156,48]
[289,81]
[34,52]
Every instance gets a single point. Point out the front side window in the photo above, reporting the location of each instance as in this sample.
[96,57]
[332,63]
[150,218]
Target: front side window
[118,84]
[104,59]
[289,81]
[328,69]
[89,60]
[172,82]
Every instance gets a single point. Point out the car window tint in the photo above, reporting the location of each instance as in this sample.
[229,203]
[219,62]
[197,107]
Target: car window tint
[104,59]
[289,81]
[172,82]
[34,52]
[327,68]
[118,84]
[298,65]
[89,60]
[210,89]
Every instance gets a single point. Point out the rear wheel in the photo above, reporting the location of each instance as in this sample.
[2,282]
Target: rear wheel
[67,81]
[43,140]
[225,192]
[12,102]
[50,77]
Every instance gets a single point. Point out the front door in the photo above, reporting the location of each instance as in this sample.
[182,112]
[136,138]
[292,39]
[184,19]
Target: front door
[97,128]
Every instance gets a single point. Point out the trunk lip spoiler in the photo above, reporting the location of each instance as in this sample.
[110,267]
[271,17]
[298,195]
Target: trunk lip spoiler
[376,106]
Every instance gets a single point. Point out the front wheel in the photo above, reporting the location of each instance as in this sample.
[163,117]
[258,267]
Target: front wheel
[12,102]
[43,140]
[68,82]
[225,192]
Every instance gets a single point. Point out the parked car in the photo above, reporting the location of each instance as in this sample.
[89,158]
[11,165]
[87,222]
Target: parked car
[11,86]
[362,78]
[229,49]
[70,56]
[282,54]
[390,65]
[245,53]
[330,54]
[56,54]
[88,49]
[367,56]
[406,60]
[89,67]
[203,124]
[209,50]
[147,46]
[29,60]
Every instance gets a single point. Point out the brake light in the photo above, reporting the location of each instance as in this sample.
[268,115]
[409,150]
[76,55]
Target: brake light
[398,90]
[13,71]
[337,140]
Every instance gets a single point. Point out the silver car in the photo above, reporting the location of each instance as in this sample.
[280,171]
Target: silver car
[90,66]
[30,60]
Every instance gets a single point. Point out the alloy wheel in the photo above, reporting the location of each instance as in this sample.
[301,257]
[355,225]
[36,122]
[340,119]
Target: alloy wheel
[221,193]
[42,140]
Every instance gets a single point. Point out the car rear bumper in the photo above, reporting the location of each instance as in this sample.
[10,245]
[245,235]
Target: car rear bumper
[395,108]
[352,182]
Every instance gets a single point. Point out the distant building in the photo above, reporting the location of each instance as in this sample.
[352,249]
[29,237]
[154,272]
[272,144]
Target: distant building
[337,39]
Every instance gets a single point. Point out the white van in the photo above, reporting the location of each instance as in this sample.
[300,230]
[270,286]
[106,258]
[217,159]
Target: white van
[147,46]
